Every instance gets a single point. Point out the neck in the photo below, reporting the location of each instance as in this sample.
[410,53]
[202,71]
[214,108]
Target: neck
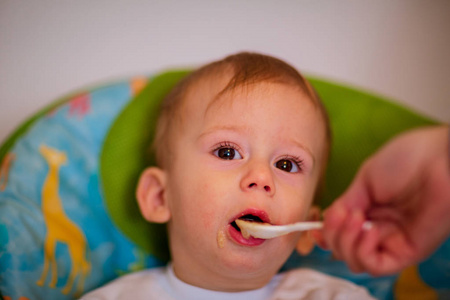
[220,282]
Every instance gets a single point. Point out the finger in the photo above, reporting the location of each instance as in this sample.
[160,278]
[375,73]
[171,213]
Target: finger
[367,253]
[334,220]
[319,239]
[349,240]
[378,255]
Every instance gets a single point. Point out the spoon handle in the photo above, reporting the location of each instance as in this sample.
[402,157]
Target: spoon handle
[301,226]
[267,231]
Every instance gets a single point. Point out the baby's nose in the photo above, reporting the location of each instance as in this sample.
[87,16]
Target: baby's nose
[267,188]
[259,177]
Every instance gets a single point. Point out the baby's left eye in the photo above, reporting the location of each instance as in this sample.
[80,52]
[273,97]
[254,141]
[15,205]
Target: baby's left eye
[288,165]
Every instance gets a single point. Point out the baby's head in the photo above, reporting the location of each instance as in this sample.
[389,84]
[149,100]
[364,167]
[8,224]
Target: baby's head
[246,137]
[242,70]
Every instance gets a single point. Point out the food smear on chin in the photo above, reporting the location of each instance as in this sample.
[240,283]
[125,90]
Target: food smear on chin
[221,239]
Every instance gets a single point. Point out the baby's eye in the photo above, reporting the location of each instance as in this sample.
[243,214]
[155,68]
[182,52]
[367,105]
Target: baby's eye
[228,153]
[288,165]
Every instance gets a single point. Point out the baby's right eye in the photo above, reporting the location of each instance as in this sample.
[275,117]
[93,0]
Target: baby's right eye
[227,152]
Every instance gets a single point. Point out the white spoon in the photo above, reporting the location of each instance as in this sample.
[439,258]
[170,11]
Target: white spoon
[267,231]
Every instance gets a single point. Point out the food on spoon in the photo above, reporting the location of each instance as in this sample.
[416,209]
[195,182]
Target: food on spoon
[245,226]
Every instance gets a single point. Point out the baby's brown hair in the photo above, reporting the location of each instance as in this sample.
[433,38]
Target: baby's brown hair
[246,69]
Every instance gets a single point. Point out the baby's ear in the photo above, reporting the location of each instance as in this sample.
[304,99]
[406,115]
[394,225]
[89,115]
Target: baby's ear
[306,242]
[150,194]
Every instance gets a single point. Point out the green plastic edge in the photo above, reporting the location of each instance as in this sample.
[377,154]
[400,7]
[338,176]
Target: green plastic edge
[341,172]
[113,161]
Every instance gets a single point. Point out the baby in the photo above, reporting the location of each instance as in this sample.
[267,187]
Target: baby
[244,137]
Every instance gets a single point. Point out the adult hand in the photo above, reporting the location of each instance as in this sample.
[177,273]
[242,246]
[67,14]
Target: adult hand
[404,190]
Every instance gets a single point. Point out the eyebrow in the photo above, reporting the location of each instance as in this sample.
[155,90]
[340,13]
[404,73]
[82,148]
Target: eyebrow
[225,128]
[306,149]
[243,128]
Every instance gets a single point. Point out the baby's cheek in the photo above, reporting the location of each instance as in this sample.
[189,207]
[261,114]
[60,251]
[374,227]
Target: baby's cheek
[302,203]
[299,212]
[207,219]
[206,207]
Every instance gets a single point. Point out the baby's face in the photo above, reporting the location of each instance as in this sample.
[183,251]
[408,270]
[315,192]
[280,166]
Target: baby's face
[254,152]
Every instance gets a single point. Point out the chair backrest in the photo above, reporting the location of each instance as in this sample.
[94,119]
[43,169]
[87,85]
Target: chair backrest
[68,218]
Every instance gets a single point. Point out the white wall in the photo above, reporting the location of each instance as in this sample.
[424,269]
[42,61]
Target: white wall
[398,48]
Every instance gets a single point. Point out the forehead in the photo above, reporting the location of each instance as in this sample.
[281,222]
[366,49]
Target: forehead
[265,103]
[262,104]
[209,93]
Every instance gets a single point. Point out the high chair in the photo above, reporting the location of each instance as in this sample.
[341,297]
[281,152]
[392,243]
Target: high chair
[69,221]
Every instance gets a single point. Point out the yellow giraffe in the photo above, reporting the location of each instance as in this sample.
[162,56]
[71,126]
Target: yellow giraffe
[59,227]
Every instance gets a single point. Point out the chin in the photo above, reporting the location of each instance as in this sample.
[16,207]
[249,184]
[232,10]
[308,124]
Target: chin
[251,263]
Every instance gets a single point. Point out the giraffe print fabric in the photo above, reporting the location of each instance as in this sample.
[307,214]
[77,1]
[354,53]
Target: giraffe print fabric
[56,238]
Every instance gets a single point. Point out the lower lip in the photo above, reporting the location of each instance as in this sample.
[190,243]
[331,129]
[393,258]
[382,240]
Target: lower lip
[237,236]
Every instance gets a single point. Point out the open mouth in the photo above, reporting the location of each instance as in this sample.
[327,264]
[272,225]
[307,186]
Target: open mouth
[252,215]
[247,217]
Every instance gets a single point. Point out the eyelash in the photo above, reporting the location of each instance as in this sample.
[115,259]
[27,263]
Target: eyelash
[295,159]
[226,144]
